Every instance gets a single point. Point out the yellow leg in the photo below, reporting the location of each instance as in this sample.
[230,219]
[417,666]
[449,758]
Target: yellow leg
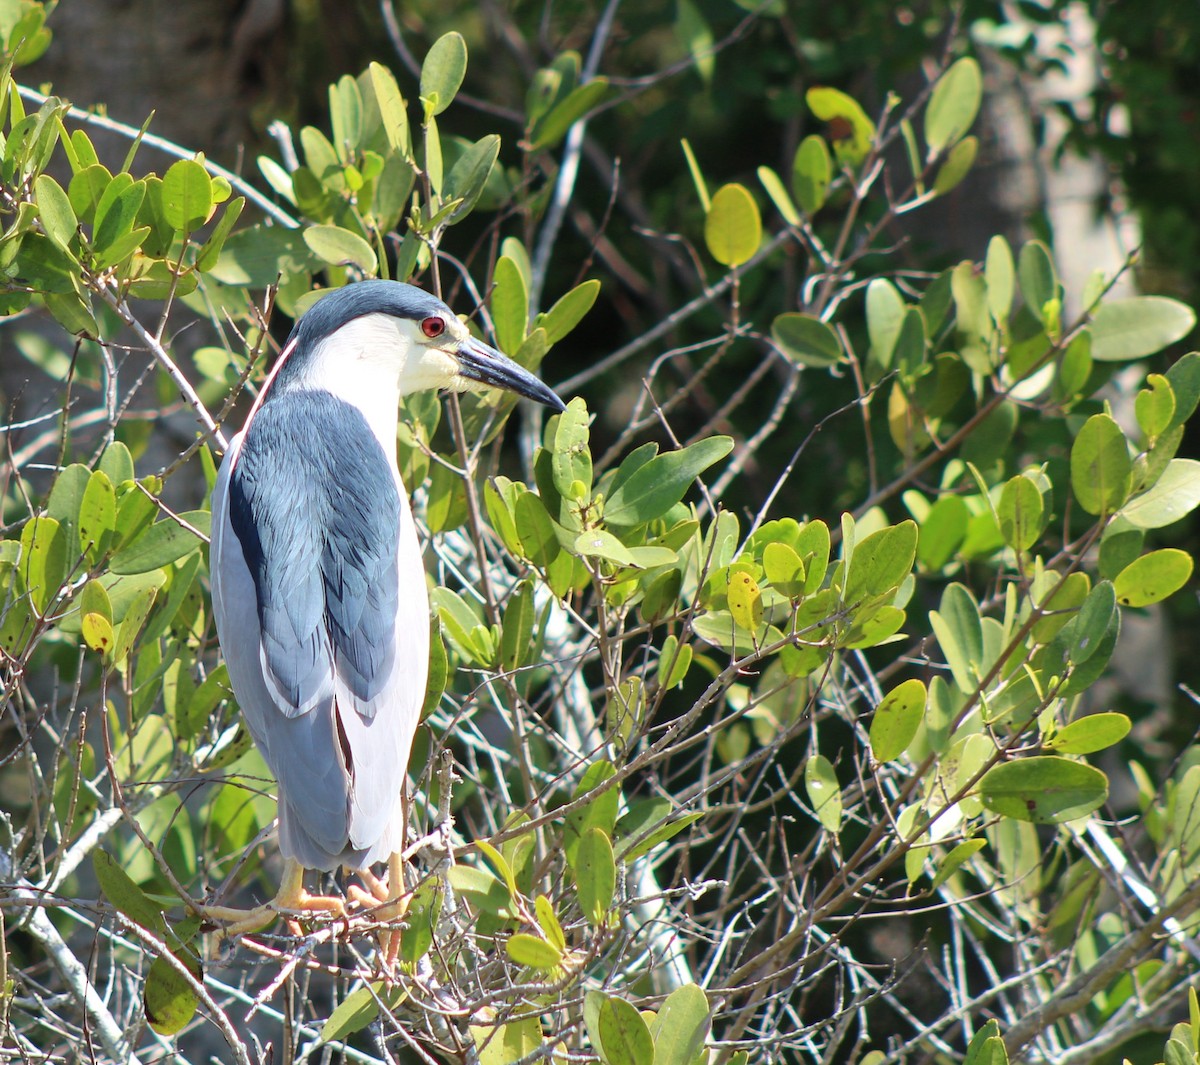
[386,902]
[290,897]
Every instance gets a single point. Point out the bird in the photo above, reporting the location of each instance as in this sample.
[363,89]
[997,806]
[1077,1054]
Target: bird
[318,586]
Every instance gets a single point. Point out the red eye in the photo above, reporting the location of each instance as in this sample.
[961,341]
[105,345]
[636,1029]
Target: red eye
[433,327]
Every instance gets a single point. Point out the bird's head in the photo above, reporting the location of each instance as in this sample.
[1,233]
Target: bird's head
[378,340]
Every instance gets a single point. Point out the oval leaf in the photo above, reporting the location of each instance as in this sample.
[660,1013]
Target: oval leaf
[1101,470]
[1153,577]
[1139,326]
[443,70]
[169,997]
[1175,494]
[536,953]
[661,482]
[1045,790]
[897,719]
[732,228]
[1092,733]
[186,196]
[340,247]
[824,793]
[953,105]
[806,340]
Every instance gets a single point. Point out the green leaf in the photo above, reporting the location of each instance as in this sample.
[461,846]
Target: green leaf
[1089,734]
[1153,577]
[953,861]
[1175,494]
[732,227]
[1000,274]
[346,117]
[187,195]
[443,70]
[881,561]
[1101,469]
[1059,597]
[975,1049]
[783,569]
[807,340]
[482,890]
[163,543]
[469,176]
[812,171]
[340,247]
[43,560]
[97,514]
[897,719]
[957,165]
[1037,278]
[55,211]
[745,600]
[778,195]
[1092,622]
[568,311]
[549,923]
[1020,511]
[572,461]
[116,212]
[661,482]
[1154,406]
[1045,789]
[824,792]
[85,190]
[959,631]
[392,112]
[553,126]
[595,875]
[680,1027]
[169,998]
[536,953]
[534,526]
[354,1013]
[510,304]
[885,318]
[618,1033]
[850,130]
[600,543]
[942,531]
[953,105]
[1138,326]
[210,250]
[125,895]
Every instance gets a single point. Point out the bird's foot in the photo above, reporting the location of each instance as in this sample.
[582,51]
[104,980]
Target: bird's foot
[290,900]
[386,904]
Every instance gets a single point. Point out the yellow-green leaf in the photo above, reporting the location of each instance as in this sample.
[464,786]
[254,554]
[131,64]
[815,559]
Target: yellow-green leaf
[732,228]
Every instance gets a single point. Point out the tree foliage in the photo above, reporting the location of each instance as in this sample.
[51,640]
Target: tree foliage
[710,770]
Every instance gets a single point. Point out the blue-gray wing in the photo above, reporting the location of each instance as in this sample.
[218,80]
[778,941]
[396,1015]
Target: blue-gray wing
[327,657]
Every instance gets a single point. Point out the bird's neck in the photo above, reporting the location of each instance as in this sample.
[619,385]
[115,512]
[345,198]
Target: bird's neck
[371,385]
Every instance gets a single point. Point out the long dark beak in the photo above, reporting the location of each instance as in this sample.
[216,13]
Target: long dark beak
[479,362]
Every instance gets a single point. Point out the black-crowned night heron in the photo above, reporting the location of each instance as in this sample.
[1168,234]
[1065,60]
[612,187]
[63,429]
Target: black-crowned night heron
[317,582]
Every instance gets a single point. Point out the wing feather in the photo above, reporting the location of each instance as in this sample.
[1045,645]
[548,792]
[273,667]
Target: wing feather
[309,522]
